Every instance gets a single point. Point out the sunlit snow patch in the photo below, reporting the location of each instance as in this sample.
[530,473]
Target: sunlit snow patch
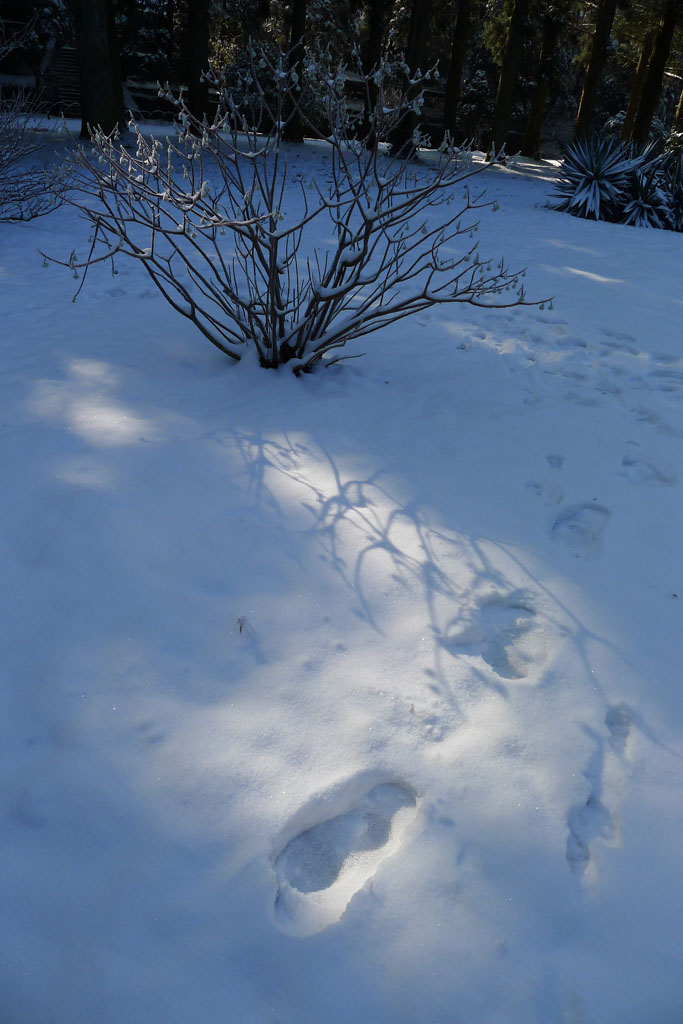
[324,866]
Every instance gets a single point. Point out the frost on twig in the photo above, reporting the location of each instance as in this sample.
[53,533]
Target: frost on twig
[231,238]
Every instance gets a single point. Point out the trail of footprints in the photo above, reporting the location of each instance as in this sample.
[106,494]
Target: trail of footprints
[324,865]
[336,854]
[580,528]
[595,819]
[614,366]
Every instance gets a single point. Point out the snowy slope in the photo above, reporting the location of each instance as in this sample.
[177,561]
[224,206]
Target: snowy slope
[353,697]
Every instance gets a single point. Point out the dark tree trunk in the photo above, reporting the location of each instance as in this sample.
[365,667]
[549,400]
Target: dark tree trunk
[637,86]
[99,65]
[294,131]
[416,50]
[509,73]
[418,34]
[377,11]
[534,125]
[596,65]
[461,37]
[197,57]
[652,86]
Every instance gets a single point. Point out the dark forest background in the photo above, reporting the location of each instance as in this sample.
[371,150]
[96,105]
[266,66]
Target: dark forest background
[523,73]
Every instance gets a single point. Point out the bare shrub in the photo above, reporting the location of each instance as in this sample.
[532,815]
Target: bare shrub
[258,258]
[27,188]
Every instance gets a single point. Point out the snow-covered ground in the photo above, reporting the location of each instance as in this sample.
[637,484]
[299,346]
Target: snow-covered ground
[354,697]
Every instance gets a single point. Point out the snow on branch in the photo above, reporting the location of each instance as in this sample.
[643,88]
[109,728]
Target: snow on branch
[230,234]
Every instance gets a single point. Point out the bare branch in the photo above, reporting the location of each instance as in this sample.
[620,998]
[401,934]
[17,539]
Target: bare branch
[208,212]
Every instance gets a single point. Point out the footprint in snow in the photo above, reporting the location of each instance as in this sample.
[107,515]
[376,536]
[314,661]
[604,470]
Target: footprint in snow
[571,341]
[580,528]
[547,490]
[668,381]
[590,819]
[645,415]
[619,723]
[325,865]
[506,634]
[587,822]
[643,471]
[593,819]
[618,341]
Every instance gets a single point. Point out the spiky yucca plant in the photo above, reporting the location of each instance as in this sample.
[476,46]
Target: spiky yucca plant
[648,202]
[595,178]
[672,174]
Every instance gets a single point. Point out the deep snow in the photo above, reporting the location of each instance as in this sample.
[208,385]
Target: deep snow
[355,697]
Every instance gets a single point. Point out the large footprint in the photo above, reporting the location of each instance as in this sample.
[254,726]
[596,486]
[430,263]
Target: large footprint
[323,867]
[580,528]
[506,635]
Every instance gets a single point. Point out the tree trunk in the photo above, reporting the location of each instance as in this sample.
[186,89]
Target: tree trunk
[293,130]
[197,57]
[461,38]
[637,87]
[652,86]
[509,73]
[596,65]
[99,65]
[377,11]
[678,119]
[532,137]
[416,50]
